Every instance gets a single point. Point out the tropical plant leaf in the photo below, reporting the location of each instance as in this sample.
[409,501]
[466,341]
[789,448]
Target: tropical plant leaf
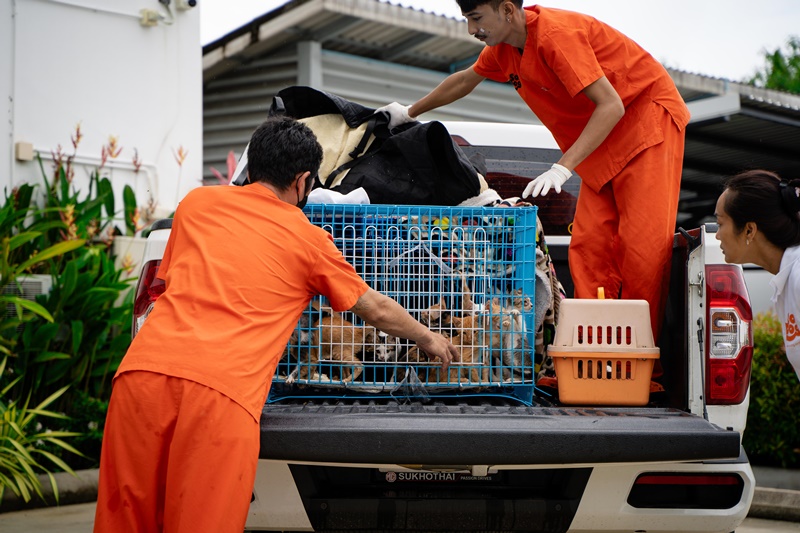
[77,335]
[54,485]
[105,191]
[27,304]
[56,460]
[52,251]
[46,357]
[129,201]
[69,280]
[50,399]
[61,444]
[21,486]
[22,238]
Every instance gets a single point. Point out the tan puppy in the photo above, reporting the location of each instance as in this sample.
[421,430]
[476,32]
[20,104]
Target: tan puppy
[469,339]
[339,341]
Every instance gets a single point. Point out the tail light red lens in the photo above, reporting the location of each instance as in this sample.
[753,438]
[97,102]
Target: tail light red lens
[729,339]
[148,290]
[665,490]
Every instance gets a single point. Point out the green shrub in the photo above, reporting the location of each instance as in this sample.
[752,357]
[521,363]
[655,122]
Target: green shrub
[74,337]
[24,442]
[772,437]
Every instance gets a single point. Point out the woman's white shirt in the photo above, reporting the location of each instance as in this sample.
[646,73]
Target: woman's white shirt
[786,299]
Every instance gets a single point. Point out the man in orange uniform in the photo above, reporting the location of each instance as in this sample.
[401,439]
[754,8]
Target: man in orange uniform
[181,439]
[619,121]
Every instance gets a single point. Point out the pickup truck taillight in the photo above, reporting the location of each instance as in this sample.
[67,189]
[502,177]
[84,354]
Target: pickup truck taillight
[729,341]
[148,290]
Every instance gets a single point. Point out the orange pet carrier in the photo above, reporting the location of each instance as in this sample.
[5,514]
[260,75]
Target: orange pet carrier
[604,352]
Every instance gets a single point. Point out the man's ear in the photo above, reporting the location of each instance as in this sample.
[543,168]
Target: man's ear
[302,179]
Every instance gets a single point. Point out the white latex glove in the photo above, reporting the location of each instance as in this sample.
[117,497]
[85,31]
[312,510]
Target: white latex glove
[552,179]
[398,114]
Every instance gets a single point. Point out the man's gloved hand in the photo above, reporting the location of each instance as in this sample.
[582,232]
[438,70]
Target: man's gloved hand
[553,178]
[398,114]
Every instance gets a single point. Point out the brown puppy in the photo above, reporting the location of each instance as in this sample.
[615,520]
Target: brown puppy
[339,341]
[469,339]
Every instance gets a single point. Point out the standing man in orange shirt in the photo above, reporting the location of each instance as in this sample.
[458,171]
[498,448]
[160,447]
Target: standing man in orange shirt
[619,120]
[181,439]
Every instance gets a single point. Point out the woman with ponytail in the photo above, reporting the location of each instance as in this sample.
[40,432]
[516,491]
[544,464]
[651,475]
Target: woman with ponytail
[759,222]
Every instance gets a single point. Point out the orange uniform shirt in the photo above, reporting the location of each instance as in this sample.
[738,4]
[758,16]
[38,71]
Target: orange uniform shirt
[235,291]
[564,53]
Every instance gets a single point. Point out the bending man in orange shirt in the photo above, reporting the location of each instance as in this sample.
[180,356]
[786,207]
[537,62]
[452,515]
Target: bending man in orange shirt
[619,120]
[181,439]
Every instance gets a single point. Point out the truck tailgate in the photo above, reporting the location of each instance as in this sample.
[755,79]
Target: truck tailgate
[440,434]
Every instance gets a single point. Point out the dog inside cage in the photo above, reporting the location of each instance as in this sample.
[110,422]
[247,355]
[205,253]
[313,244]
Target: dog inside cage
[454,271]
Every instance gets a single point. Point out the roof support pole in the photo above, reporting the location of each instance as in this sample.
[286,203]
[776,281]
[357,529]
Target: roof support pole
[309,64]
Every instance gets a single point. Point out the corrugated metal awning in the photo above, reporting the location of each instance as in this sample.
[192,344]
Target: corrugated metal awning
[735,127]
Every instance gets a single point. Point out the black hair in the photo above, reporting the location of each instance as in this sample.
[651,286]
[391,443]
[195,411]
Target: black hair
[762,197]
[281,148]
[470,5]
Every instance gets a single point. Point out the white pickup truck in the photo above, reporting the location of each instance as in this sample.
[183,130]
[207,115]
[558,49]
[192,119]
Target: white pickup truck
[470,464]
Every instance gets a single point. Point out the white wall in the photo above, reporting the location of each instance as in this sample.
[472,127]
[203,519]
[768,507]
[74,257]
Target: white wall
[6,83]
[92,62]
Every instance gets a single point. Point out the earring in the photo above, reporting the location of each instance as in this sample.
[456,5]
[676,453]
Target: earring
[748,242]
[508,19]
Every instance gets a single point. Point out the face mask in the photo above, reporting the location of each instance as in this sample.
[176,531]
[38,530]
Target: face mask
[309,185]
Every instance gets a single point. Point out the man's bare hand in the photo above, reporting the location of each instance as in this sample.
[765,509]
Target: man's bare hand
[436,345]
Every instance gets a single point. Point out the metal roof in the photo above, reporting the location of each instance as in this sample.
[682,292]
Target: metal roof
[734,126]
[366,28]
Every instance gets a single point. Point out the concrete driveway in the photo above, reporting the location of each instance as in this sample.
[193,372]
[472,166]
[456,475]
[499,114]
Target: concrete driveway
[79,518]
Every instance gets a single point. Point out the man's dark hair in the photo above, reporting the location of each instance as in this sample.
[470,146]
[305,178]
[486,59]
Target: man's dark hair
[280,148]
[760,196]
[469,5]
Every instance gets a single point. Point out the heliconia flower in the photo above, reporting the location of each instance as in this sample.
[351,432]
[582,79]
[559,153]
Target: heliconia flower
[127,264]
[58,157]
[103,156]
[137,163]
[33,254]
[91,229]
[135,220]
[68,217]
[68,214]
[113,149]
[180,155]
[76,139]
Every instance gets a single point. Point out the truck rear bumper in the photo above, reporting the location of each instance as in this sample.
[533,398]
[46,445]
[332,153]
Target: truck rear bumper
[361,497]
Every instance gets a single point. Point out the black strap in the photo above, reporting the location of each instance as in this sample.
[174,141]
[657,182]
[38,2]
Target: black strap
[362,144]
[355,155]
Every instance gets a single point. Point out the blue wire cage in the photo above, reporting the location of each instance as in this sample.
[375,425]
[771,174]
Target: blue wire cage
[466,272]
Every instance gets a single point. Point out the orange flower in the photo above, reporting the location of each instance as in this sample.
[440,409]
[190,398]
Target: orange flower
[113,149]
[180,155]
[136,220]
[127,264]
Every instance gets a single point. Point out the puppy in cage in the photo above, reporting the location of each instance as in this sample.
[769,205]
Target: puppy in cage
[333,339]
[465,329]
[506,333]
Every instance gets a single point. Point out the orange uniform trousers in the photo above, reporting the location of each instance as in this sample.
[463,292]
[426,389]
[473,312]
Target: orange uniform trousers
[622,235]
[177,457]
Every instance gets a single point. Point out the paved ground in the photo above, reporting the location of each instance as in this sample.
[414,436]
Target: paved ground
[79,519]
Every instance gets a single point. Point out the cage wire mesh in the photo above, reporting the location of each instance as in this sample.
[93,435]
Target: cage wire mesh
[466,272]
